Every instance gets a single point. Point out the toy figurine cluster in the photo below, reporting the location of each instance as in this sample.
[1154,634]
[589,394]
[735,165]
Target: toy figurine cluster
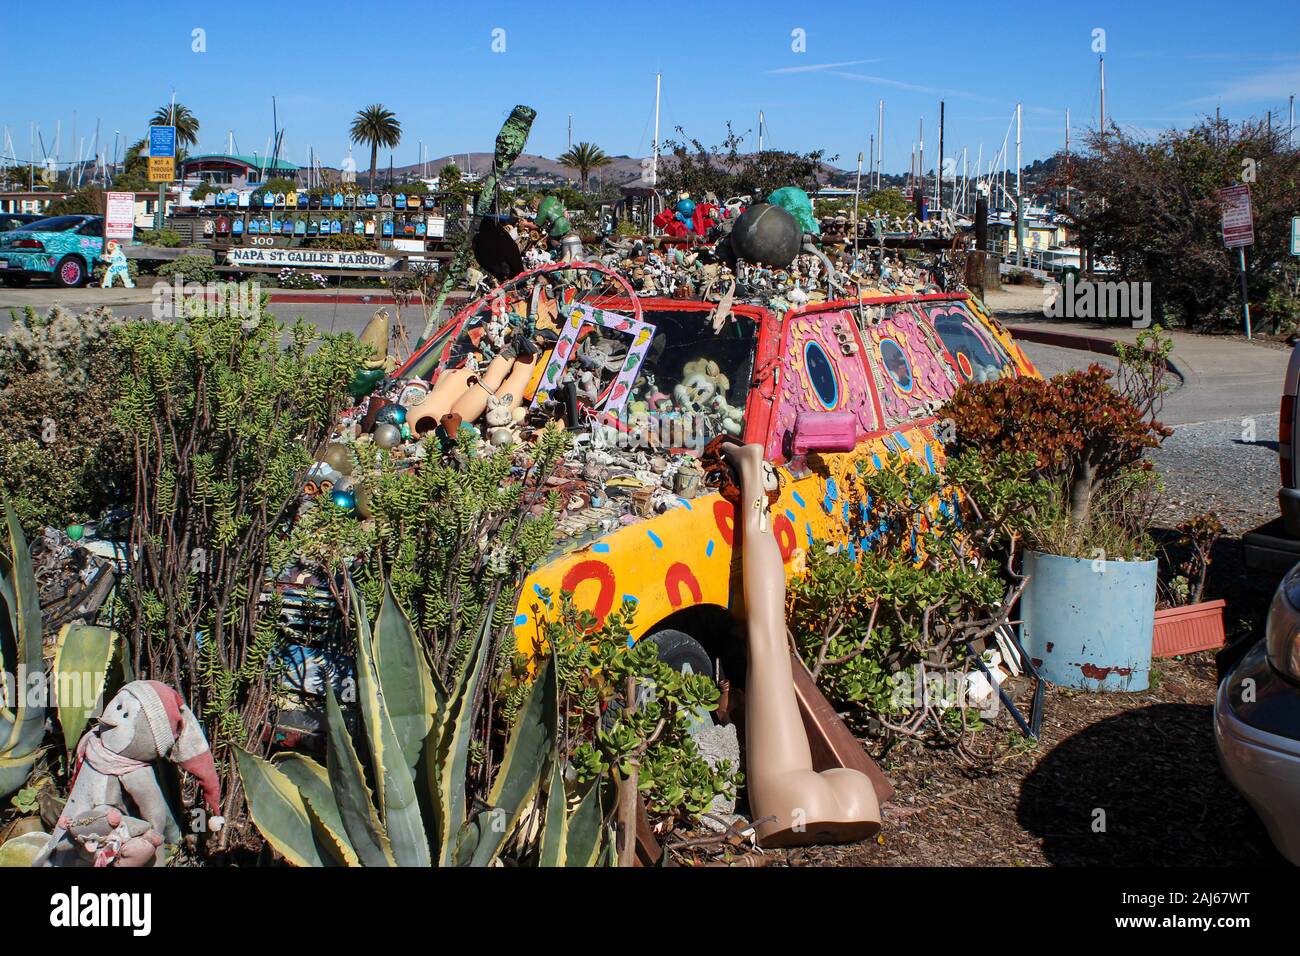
[642,397]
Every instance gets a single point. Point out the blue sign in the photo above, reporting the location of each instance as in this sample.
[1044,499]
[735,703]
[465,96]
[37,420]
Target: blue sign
[162,141]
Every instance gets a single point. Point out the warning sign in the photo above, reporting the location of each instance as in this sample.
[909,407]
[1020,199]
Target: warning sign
[1238,222]
[162,169]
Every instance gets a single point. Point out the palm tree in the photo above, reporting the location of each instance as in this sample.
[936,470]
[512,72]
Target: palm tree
[186,123]
[584,158]
[377,126]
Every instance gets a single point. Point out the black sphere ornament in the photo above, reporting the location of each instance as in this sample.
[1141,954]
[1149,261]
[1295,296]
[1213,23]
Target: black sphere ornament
[767,235]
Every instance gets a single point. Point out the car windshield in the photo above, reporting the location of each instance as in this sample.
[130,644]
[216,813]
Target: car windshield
[675,376]
[55,224]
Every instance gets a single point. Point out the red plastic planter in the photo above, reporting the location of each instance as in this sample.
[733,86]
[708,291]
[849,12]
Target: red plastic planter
[1184,630]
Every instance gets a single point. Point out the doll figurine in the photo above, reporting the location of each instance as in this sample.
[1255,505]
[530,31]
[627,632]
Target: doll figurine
[116,259]
[116,813]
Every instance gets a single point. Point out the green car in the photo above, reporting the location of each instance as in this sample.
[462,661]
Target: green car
[63,248]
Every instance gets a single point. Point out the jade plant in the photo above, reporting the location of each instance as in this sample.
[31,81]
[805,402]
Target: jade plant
[414,804]
[650,743]
[888,622]
[221,417]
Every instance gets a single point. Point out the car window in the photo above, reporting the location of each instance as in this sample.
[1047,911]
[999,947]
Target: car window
[821,371]
[92,227]
[979,356]
[908,365]
[56,224]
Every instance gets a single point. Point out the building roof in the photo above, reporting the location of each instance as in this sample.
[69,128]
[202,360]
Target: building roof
[254,162]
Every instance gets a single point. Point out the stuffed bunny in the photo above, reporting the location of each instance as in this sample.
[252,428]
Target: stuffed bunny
[112,778]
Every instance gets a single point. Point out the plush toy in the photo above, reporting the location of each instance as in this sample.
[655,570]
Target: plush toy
[116,813]
[695,392]
[117,267]
[796,202]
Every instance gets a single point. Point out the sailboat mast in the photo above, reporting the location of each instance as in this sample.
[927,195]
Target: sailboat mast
[880,143]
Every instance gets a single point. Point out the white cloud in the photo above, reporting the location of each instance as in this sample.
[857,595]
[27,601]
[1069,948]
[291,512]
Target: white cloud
[820,67]
[1274,84]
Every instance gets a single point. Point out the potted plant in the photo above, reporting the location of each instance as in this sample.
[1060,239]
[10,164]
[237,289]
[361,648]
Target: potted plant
[1187,623]
[1088,610]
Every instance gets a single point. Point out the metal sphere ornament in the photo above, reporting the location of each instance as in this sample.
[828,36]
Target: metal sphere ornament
[392,415]
[387,435]
[767,235]
[339,458]
[344,499]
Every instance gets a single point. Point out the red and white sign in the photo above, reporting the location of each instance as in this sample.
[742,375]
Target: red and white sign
[1238,221]
[119,216]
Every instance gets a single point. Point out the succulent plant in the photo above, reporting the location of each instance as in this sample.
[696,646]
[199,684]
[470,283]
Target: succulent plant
[414,808]
[81,666]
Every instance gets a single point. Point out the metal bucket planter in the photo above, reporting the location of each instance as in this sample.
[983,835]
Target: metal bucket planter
[1088,623]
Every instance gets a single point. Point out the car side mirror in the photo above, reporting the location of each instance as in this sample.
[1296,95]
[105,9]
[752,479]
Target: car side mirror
[824,431]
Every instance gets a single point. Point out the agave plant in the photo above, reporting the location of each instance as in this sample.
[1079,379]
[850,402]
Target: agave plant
[81,666]
[418,734]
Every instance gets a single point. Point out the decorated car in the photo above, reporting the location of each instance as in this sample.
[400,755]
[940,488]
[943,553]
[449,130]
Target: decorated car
[830,389]
[62,248]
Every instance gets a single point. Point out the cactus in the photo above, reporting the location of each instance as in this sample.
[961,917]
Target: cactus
[417,734]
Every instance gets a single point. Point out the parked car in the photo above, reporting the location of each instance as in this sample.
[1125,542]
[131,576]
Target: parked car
[880,368]
[61,248]
[17,220]
[1257,721]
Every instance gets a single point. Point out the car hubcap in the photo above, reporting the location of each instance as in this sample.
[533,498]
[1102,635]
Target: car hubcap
[71,272]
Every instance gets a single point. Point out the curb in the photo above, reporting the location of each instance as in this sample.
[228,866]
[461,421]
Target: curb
[1091,343]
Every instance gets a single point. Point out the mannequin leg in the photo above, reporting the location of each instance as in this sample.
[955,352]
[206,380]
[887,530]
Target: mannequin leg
[809,807]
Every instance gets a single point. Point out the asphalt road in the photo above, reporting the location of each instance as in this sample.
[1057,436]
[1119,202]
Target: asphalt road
[1227,380]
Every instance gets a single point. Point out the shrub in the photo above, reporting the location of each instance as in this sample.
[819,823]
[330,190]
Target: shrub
[166,238]
[650,744]
[190,268]
[1080,429]
[219,418]
[885,630]
[62,458]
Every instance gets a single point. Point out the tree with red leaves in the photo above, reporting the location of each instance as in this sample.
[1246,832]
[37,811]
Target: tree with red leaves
[1082,430]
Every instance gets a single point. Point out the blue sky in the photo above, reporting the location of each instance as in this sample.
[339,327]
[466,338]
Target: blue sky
[433,64]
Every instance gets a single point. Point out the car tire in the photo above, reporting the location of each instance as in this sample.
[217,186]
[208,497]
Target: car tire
[71,272]
[681,651]
[16,282]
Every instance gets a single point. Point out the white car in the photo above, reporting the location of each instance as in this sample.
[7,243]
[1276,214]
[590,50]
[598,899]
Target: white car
[1257,721]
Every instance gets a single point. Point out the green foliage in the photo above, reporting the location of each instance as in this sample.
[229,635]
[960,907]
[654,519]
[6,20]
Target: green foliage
[876,627]
[22,717]
[61,454]
[279,184]
[595,665]
[88,200]
[178,115]
[457,533]
[375,126]
[725,171]
[190,268]
[1152,207]
[1081,430]
[165,238]
[220,414]
[134,175]
[414,809]
[584,157]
